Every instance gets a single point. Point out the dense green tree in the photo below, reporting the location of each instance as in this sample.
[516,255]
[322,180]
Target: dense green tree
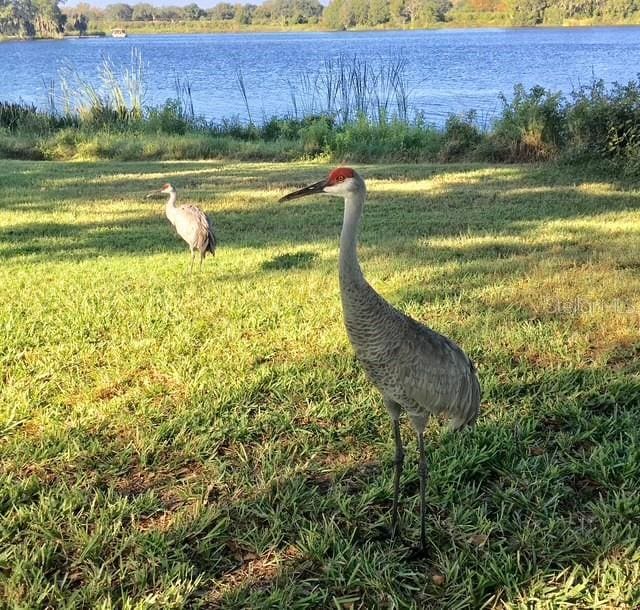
[222,12]
[436,10]
[578,8]
[48,19]
[144,12]
[527,12]
[244,13]
[332,15]
[397,10]
[621,9]
[44,17]
[307,11]
[289,12]
[192,12]
[119,12]
[16,18]
[31,18]
[360,12]
[379,12]
[168,13]
[77,22]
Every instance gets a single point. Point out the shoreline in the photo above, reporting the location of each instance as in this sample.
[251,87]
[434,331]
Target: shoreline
[302,30]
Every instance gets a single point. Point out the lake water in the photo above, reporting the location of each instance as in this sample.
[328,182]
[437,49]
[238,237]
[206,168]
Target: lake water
[447,70]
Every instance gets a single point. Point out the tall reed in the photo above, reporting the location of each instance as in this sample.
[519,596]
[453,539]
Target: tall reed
[119,96]
[243,92]
[349,87]
[184,98]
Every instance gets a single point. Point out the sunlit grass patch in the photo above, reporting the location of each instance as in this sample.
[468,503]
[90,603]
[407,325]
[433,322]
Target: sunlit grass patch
[170,440]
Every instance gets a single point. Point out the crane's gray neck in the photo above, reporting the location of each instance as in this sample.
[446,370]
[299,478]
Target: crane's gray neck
[350,272]
[173,195]
[171,204]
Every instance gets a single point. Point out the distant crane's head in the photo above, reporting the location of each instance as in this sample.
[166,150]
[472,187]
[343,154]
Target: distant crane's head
[341,182]
[167,189]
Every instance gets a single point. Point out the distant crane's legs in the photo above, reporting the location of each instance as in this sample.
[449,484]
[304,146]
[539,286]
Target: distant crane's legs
[398,462]
[422,468]
[193,258]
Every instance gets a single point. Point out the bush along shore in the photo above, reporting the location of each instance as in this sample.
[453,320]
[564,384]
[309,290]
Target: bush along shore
[362,117]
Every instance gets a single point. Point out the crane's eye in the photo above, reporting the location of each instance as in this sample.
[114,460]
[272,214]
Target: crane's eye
[340,178]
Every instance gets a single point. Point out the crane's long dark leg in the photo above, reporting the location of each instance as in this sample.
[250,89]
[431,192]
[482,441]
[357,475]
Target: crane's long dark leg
[422,468]
[394,410]
[398,463]
[193,258]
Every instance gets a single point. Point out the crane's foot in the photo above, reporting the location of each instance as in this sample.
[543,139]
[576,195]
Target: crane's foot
[418,553]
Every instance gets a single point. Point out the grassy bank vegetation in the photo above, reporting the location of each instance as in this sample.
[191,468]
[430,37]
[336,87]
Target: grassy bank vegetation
[209,441]
[346,113]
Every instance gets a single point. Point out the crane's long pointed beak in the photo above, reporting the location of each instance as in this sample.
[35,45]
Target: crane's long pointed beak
[316,187]
[152,194]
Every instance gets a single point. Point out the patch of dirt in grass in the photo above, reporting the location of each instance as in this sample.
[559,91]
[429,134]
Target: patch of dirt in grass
[136,483]
[140,479]
[51,473]
[585,490]
[159,522]
[618,348]
[358,478]
[601,404]
[351,470]
[556,423]
[625,359]
[254,572]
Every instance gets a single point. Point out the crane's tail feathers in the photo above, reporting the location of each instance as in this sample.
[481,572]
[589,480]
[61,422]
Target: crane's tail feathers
[212,242]
[470,414]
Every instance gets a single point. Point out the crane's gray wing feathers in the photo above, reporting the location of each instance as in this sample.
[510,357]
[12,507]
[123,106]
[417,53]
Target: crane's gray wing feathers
[196,229]
[438,375]
[411,364]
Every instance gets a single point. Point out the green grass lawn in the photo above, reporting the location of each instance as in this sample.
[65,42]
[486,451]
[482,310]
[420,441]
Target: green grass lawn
[176,441]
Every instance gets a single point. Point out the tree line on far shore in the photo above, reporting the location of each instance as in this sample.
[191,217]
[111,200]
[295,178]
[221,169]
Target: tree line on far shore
[45,18]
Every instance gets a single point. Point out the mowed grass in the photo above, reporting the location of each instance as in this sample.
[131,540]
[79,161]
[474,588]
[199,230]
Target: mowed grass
[176,441]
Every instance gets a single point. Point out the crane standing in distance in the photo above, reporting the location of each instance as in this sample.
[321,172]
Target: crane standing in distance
[191,223]
[414,367]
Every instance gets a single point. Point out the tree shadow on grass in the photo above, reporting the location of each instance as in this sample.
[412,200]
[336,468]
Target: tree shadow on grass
[62,241]
[494,207]
[548,476]
[547,482]
[293,260]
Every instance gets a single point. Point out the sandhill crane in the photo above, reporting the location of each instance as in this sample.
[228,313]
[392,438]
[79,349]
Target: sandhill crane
[191,223]
[415,368]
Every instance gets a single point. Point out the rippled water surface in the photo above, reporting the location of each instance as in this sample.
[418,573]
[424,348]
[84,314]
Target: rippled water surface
[447,70]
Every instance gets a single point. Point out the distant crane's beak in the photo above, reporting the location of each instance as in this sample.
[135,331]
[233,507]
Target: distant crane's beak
[152,194]
[312,189]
